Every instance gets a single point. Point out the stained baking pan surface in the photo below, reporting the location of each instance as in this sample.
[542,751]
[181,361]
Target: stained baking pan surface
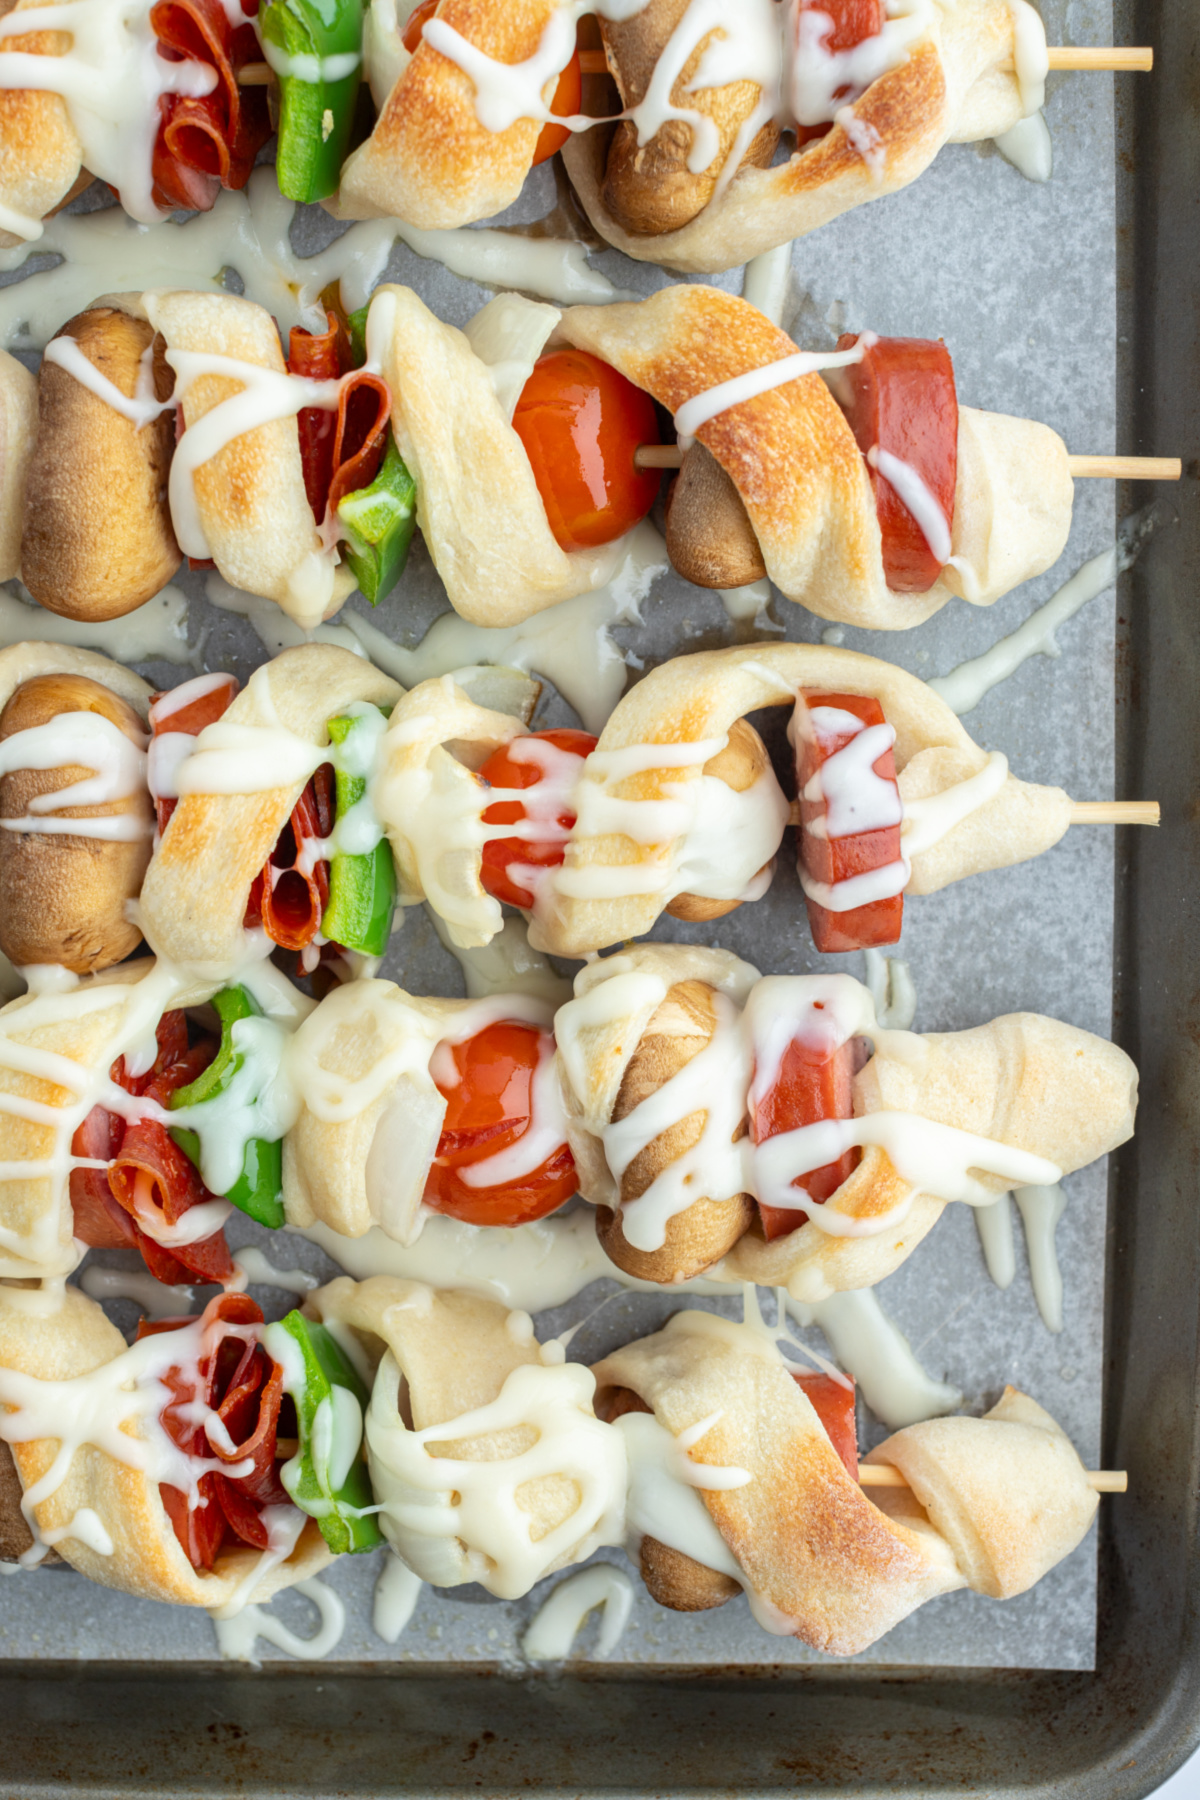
[106,1695]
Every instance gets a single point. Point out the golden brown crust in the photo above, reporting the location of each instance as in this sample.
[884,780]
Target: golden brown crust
[680,1029]
[63,899]
[429,160]
[98,539]
[39,151]
[710,539]
[649,188]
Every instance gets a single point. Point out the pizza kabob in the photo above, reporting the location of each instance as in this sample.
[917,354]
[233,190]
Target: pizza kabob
[527,448]
[686,172]
[217,1460]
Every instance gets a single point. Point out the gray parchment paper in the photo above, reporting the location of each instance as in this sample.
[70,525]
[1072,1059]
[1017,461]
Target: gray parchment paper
[1020,281]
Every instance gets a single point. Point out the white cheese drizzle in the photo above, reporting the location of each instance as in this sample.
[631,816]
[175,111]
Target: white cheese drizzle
[310,69]
[236,1635]
[89,741]
[397,1591]
[111,81]
[154,632]
[140,408]
[560,1618]
[917,498]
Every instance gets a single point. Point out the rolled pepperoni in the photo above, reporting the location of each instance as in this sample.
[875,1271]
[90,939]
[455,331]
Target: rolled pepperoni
[832,850]
[812,1085]
[552,763]
[833,1403]
[902,407]
[853,22]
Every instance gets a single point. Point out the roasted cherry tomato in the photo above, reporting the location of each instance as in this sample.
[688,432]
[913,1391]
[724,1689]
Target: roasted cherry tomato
[487,1110]
[812,1085]
[581,423]
[568,95]
[834,1406]
[831,860]
[555,776]
[901,398]
[854,21]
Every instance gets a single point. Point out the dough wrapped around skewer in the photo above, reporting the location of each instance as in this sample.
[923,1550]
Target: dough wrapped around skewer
[18,425]
[98,539]
[483,520]
[943,81]
[620,864]
[429,159]
[995,1502]
[64,895]
[245,504]
[792,481]
[482,1445]
[668,1052]
[89,1397]
[376,1140]
[239,798]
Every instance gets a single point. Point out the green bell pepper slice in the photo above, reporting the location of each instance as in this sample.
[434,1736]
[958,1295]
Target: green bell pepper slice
[362,889]
[258,1190]
[322,39]
[327,1477]
[379,522]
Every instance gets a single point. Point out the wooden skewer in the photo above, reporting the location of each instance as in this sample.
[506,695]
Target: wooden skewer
[882,1475]
[1115,812]
[1113,468]
[1062,56]
[1083,812]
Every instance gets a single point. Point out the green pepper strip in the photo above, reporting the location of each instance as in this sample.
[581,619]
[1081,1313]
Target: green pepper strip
[258,1190]
[379,522]
[315,117]
[338,1508]
[362,889]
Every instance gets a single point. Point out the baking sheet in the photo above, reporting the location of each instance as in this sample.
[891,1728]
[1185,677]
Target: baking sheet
[1020,281]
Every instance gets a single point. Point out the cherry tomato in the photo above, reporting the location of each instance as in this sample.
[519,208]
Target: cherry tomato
[581,423]
[488,1109]
[837,859]
[834,1406]
[568,95]
[811,1086]
[503,769]
[901,398]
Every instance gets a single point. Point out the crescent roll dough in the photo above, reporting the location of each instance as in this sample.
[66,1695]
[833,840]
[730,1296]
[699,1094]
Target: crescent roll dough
[250,500]
[23,662]
[554,1482]
[1022,1080]
[478,503]
[369,1125]
[72,1341]
[40,154]
[428,159]
[88,1026]
[822,1562]
[1007,1492]
[693,699]
[950,89]
[429,799]
[18,425]
[1028,1082]
[793,459]
[196,888]
[995,1502]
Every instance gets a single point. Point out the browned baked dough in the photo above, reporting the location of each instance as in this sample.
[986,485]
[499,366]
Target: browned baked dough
[710,539]
[739,765]
[39,151]
[98,539]
[680,1029]
[63,899]
[649,189]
